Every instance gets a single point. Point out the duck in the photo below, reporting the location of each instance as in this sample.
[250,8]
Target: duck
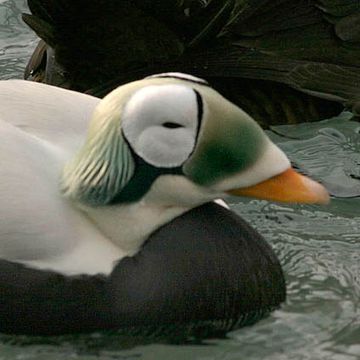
[107,217]
[282,62]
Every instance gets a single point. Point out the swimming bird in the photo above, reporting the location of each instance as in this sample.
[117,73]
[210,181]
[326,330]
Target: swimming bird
[281,61]
[96,218]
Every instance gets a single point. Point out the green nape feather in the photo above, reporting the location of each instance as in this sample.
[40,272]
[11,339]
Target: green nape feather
[104,165]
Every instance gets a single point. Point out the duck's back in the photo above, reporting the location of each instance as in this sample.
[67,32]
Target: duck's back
[40,127]
[53,114]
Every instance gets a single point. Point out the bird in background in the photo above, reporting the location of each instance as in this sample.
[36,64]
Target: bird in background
[282,61]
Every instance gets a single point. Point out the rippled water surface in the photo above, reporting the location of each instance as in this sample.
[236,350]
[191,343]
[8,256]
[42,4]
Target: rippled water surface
[319,248]
[16,40]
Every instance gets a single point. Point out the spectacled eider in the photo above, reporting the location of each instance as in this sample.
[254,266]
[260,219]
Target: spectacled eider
[114,227]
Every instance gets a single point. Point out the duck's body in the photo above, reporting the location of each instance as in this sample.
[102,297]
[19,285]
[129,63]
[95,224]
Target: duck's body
[282,61]
[94,198]
[204,273]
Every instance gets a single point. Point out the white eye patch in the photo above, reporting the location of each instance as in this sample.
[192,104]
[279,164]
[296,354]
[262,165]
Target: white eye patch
[160,122]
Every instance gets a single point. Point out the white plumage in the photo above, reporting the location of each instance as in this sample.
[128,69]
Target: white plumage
[39,131]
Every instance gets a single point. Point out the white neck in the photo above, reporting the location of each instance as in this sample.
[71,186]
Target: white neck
[129,225]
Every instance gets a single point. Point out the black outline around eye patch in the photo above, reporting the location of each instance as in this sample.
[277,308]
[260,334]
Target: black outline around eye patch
[168,76]
[200,105]
[145,174]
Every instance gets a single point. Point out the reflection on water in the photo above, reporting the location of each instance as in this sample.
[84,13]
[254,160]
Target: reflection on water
[319,248]
[320,252]
[329,151]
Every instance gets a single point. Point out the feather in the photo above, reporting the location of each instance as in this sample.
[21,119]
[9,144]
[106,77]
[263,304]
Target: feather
[224,39]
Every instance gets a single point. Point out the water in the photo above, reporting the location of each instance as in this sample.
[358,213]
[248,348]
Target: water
[319,248]
[16,40]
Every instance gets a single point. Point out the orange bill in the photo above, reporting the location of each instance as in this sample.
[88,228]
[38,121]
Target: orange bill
[289,186]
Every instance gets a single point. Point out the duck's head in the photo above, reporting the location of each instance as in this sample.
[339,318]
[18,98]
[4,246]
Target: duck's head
[172,139]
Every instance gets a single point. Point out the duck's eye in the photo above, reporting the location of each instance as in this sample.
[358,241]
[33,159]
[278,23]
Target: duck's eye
[171,125]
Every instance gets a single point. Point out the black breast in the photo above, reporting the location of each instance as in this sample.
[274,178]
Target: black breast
[206,272]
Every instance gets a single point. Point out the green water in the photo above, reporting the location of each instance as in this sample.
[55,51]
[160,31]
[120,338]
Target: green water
[319,248]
